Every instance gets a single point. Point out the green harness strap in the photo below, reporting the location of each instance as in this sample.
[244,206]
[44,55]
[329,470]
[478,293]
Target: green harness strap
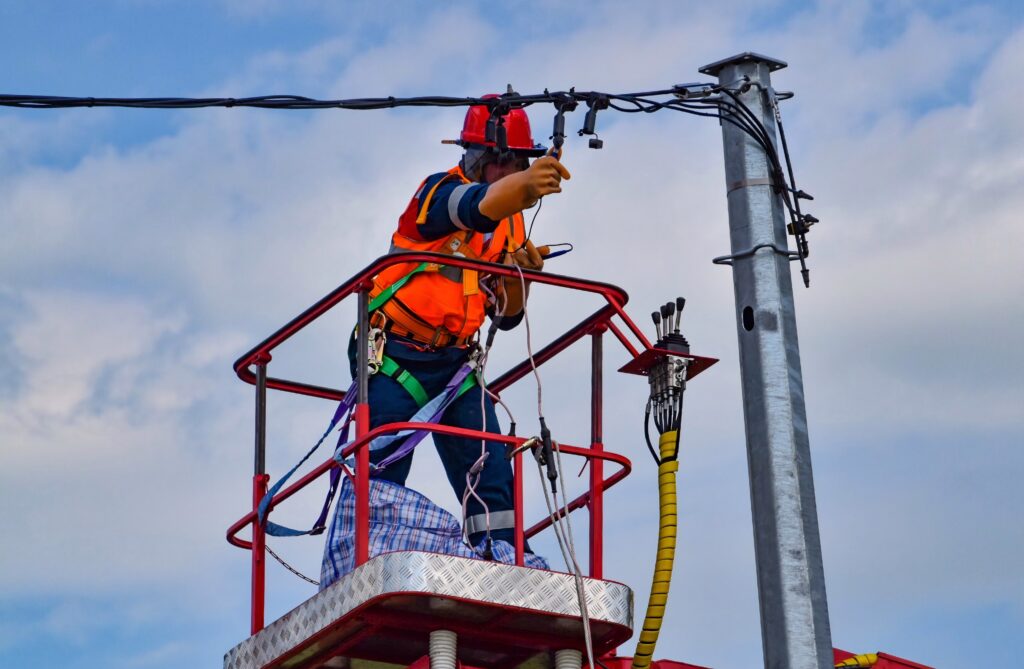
[390,291]
[390,368]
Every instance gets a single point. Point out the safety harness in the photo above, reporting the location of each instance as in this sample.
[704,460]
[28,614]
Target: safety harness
[430,411]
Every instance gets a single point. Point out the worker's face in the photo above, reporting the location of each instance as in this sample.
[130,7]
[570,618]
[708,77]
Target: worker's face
[498,169]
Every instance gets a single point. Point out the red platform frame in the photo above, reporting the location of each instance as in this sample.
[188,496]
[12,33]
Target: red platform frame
[594,325]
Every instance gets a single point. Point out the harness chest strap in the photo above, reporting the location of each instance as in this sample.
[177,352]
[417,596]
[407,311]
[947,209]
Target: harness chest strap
[458,245]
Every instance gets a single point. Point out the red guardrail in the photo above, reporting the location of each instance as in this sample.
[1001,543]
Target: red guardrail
[594,325]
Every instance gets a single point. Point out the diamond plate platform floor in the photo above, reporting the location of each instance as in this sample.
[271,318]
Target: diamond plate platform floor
[382,613]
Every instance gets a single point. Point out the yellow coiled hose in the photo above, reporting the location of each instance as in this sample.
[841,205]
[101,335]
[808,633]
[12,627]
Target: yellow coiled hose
[860,661]
[666,551]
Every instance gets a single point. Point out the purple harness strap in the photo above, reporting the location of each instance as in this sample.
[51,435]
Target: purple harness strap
[430,412]
[273,529]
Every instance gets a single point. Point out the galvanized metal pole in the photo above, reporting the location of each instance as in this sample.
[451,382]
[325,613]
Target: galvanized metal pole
[790,576]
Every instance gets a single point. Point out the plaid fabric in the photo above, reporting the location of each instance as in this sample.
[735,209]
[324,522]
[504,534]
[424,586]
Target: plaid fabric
[401,519]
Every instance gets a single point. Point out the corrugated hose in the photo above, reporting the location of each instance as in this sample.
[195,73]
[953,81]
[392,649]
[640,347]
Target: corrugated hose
[666,551]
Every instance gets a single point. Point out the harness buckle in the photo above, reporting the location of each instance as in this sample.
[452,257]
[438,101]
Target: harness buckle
[375,343]
[475,354]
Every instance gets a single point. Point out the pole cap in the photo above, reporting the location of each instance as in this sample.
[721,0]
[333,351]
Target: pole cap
[713,69]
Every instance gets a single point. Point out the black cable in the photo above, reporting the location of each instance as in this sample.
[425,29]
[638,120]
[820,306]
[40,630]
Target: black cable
[709,100]
[633,103]
[765,142]
[799,227]
[647,433]
[782,187]
[512,101]
[529,231]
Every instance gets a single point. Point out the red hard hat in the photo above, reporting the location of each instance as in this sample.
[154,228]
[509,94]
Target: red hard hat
[517,130]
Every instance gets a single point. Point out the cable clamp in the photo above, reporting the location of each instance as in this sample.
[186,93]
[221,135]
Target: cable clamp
[728,260]
[699,89]
[529,444]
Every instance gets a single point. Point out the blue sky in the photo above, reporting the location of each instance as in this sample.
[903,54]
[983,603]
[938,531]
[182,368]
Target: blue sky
[145,250]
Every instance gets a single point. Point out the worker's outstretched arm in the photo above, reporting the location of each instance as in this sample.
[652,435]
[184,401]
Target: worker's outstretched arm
[521,190]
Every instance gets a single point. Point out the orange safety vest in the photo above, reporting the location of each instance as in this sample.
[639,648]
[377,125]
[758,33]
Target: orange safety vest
[442,303]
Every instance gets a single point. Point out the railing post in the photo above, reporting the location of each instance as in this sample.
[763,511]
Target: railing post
[596,504]
[259,489]
[362,427]
[787,548]
[517,505]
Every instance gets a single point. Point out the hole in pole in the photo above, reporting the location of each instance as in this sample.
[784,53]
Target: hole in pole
[748,319]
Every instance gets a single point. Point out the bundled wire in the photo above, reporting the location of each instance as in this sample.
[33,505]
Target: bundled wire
[704,99]
[475,471]
[667,409]
[511,101]
[559,514]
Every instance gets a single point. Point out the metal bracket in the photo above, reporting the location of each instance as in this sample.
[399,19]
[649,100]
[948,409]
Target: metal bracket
[727,260]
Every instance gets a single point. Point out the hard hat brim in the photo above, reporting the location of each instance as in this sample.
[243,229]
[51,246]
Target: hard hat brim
[535,152]
[532,152]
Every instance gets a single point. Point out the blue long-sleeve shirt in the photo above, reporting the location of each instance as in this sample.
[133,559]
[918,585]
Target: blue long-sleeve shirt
[454,206]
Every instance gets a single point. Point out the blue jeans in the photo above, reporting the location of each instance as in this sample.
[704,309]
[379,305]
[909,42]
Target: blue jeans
[391,403]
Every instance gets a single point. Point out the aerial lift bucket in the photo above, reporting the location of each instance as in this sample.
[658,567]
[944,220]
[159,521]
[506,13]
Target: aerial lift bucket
[397,608]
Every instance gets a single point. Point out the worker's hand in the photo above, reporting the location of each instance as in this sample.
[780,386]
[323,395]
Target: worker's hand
[529,257]
[515,192]
[544,177]
[510,289]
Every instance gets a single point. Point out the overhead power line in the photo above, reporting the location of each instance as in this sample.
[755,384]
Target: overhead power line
[710,100]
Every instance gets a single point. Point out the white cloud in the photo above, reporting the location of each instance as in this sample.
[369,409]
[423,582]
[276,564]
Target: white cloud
[99,457]
[195,246]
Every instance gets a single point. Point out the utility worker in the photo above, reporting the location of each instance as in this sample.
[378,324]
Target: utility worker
[431,322]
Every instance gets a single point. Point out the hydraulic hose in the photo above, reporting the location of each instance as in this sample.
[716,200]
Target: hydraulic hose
[861,661]
[667,468]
